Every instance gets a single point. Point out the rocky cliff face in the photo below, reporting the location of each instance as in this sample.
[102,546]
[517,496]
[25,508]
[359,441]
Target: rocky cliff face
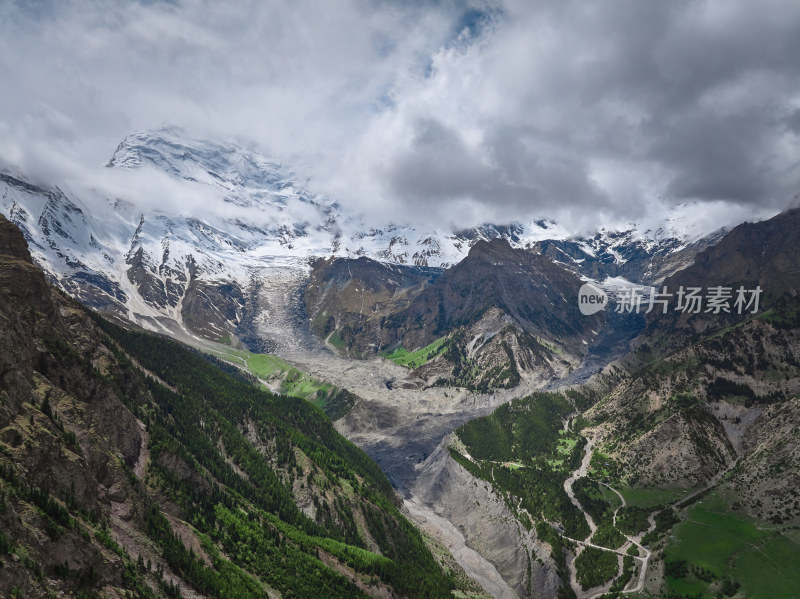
[625,254]
[350,300]
[531,289]
[134,267]
[763,254]
[499,314]
[487,525]
[67,440]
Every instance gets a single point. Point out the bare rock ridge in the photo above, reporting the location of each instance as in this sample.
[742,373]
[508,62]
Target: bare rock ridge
[620,254]
[764,254]
[352,298]
[531,289]
[500,314]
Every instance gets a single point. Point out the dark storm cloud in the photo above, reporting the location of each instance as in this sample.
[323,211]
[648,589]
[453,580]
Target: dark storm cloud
[793,121]
[448,112]
[716,156]
[440,167]
[614,107]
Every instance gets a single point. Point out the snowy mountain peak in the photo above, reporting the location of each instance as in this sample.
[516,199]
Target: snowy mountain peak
[163,265]
[247,177]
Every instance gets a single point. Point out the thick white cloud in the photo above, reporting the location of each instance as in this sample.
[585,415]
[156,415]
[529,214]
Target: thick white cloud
[451,112]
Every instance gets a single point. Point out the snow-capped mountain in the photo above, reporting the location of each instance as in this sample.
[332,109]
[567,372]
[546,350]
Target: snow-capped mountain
[153,259]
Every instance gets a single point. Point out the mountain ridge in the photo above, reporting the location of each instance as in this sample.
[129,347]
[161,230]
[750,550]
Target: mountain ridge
[132,465]
[140,263]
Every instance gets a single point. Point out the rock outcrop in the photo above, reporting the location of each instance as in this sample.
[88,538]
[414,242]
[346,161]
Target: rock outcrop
[487,526]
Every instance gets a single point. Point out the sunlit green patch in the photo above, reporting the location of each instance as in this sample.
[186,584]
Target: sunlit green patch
[652,497]
[757,555]
[418,357]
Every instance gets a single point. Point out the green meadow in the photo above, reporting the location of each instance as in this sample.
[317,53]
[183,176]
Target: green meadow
[652,497]
[763,558]
[286,379]
[418,357]
[293,381]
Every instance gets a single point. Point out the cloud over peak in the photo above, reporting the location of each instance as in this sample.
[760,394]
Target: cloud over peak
[454,112]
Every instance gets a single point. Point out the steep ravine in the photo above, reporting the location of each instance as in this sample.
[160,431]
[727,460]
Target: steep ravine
[482,522]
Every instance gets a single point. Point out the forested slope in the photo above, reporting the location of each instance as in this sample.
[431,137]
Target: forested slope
[131,466]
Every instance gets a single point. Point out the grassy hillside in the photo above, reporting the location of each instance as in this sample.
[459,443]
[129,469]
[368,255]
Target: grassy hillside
[417,358]
[280,376]
[716,550]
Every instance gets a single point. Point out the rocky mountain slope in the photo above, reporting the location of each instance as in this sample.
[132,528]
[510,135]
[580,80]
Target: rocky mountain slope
[713,415]
[719,416]
[499,314]
[752,256]
[350,300]
[626,254]
[713,401]
[130,466]
[682,419]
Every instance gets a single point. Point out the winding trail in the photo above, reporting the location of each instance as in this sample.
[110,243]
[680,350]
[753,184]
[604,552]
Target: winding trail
[644,554]
[580,473]
[635,540]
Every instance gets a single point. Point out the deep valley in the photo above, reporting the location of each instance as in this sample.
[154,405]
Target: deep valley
[294,407]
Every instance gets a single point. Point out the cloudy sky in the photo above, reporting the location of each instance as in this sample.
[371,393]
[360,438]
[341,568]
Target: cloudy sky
[453,112]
